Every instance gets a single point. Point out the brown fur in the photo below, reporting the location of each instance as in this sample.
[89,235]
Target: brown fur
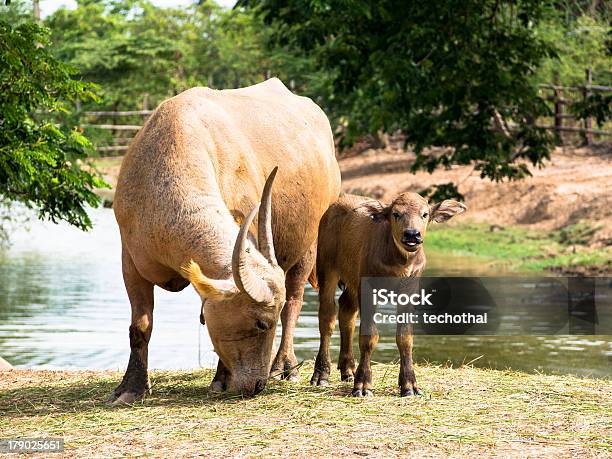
[198,165]
[360,237]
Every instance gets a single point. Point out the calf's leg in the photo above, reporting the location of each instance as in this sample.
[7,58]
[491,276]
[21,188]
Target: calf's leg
[327,323]
[368,338]
[349,307]
[407,378]
[285,362]
[136,382]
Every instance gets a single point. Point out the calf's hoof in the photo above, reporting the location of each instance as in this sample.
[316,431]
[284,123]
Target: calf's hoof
[319,378]
[347,369]
[409,392]
[362,393]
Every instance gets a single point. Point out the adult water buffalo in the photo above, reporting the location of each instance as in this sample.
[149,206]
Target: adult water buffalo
[192,175]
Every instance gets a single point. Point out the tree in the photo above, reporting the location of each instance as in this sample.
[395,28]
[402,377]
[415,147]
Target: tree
[128,48]
[451,74]
[132,47]
[581,43]
[41,153]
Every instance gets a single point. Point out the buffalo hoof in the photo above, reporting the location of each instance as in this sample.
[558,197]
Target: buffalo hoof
[319,379]
[125,398]
[282,375]
[362,393]
[285,368]
[217,386]
[347,377]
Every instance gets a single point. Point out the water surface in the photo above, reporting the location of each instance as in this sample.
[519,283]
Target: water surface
[63,305]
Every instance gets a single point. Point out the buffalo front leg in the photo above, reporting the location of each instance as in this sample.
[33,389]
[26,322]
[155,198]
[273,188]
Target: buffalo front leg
[368,338]
[285,363]
[407,378]
[327,323]
[136,382]
[221,379]
[349,307]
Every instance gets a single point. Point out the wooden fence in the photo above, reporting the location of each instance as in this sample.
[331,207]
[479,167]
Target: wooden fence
[121,134]
[563,97]
[563,122]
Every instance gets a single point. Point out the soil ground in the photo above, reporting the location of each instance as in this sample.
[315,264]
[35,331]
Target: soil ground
[574,186]
[561,215]
[464,412]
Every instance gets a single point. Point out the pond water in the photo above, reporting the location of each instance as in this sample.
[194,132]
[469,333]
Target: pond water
[63,306]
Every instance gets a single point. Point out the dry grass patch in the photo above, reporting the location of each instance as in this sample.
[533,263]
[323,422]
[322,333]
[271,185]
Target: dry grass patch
[464,411]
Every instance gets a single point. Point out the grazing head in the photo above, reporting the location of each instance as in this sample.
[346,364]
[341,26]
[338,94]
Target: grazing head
[408,216]
[241,313]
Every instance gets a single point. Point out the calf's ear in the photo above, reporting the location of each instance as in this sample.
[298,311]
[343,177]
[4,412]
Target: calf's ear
[374,209]
[446,209]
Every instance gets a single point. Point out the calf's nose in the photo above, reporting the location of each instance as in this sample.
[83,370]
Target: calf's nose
[412,234]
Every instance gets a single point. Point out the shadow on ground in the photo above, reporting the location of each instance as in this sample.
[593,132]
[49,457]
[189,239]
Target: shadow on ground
[169,390]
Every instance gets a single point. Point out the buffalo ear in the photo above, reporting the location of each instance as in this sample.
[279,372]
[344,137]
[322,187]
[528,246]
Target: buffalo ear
[374,209]
[446,209]
[215,289]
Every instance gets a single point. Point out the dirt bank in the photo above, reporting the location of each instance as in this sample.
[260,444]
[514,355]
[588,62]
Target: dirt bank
[465,412]
[574,186]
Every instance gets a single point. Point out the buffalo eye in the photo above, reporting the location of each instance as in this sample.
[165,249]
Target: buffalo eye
[262,326]
[425,215]
[396,215]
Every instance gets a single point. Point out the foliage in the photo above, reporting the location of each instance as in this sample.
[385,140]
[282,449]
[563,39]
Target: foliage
[115,45]
[581,44]
[441,73]
[17,13]
[132,48]
[440,192]
[40,161]
[597,105]
[462,74]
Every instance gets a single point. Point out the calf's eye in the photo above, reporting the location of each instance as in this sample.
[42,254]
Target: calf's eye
[396,215]
[425,215]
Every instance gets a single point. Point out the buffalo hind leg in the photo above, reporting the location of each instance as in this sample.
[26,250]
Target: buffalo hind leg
[349,307]
[136,382]
[407,378]
[368,338]
[285,363]
[327,323]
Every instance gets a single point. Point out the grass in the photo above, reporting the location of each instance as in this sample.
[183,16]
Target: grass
[521,249]
[464,412]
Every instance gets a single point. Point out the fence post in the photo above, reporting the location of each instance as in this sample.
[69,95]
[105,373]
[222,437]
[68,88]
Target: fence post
[588,122]
[145,101]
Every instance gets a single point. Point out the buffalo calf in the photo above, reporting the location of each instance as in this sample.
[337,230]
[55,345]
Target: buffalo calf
[360,237]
